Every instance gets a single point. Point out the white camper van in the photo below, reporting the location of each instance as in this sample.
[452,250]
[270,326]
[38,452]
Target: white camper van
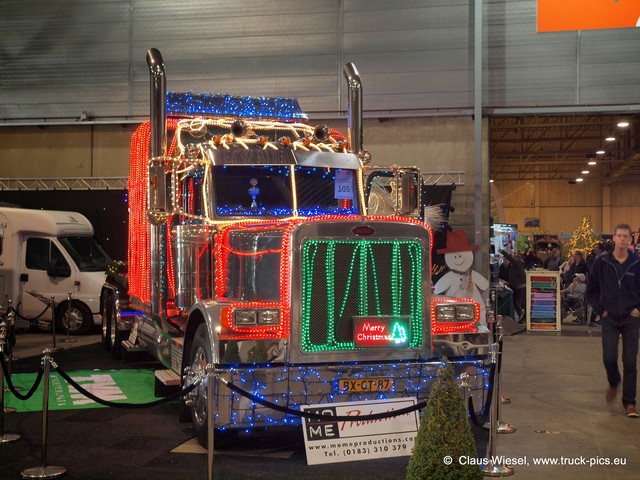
[45,253]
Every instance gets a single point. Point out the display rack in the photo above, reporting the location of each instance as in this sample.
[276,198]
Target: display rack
[543,300]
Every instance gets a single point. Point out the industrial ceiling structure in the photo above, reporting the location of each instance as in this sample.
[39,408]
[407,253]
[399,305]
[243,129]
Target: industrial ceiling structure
[560,147]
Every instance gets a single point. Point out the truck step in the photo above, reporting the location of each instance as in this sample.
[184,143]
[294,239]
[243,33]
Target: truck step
[167,382]
[130,347]
[133,353]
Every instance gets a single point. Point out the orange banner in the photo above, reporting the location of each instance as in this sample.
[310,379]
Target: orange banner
[563,15]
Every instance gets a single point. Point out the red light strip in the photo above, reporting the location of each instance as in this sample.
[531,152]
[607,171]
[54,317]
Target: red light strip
[139,254]
[234,332]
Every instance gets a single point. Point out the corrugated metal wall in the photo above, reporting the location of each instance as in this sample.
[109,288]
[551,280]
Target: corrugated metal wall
[60,58]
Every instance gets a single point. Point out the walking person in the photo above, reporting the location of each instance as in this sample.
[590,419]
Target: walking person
[595,253]
[613,290]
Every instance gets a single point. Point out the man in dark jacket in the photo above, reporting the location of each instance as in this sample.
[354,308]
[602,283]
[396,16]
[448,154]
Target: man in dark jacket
[613,290]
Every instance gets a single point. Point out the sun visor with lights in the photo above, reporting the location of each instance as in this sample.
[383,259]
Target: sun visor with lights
[213,105]
[241,156]
[327,159]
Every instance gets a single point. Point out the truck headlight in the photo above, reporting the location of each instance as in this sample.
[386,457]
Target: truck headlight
[446,313]
[465,313]
[455,313]
[245,317]
[269,317]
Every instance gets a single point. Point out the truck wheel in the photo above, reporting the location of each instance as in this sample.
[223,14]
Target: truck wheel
[77,317]
[199,356]
[105,314]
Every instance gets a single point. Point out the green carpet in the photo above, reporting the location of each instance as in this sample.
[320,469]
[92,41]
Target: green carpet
[121,386]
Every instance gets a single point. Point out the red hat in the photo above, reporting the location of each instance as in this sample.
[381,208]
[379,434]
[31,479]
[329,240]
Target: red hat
[457,242]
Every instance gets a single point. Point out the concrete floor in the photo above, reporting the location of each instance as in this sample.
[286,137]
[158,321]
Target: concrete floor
[556,384]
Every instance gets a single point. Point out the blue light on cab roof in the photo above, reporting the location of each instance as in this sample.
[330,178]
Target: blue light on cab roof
[206,104]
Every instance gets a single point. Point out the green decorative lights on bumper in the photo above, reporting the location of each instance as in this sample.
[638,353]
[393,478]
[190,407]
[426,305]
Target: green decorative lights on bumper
[345,279]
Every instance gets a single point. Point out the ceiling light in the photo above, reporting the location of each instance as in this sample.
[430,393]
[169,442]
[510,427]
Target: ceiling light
[592,162]
[579,179]
[623,124]
[599,152]
[610,139]
[584,172]
[491,181]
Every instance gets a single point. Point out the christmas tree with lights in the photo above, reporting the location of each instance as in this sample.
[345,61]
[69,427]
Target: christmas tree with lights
[583,238]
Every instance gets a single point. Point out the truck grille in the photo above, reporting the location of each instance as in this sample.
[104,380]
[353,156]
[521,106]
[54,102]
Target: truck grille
[342,279]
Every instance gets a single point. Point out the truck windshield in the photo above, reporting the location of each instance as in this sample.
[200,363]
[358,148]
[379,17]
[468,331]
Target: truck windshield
[86,252]
[267,190]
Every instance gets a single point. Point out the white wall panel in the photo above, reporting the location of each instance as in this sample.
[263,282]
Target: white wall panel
[60,58]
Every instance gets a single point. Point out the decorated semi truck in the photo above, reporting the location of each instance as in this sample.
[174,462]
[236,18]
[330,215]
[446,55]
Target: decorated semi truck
[250,248]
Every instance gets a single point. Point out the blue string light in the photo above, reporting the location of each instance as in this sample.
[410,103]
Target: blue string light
[311,386]
[207,104]
[226,210]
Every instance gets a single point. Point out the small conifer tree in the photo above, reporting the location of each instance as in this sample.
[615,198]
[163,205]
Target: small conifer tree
[444,432]
[583,238]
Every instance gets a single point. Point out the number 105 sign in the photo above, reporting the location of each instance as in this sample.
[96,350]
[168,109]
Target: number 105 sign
[333,441]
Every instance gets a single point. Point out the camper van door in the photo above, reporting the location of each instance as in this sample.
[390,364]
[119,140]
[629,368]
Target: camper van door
[45,271]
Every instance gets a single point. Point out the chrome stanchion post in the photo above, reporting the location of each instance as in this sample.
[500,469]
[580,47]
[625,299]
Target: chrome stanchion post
[492,306]
[5,340]
[503,427]
[11,324]
[67,320]
[4,437]
[52,306]
[492,468]
[11,319]
[210,370]
[44,470]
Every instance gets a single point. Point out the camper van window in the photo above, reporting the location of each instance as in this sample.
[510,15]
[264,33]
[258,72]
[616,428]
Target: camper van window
[86,253]
[40,253]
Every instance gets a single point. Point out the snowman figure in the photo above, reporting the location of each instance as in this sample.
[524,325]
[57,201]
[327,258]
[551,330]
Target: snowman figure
[461,281]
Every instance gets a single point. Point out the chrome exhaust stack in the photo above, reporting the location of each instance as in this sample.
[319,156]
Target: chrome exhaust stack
[158,207]
[354,109]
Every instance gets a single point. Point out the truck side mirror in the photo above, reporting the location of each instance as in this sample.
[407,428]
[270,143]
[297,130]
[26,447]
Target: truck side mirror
[57,268]
[410,193]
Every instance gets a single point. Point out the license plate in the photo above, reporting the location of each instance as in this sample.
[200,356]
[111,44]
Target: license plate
[351,385]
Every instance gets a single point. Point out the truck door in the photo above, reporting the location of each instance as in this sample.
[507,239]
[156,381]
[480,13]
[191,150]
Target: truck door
[44,272]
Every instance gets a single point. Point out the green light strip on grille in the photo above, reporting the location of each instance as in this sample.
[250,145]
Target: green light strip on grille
[362,256]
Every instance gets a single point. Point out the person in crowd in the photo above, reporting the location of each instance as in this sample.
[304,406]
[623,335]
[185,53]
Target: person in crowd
[531,260]
[512,271]
[573,295]
[579,265]
[553,261]
[595,252]
[565,266]
[613,290]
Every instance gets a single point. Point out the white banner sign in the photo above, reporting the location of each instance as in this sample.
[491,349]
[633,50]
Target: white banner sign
[329,441]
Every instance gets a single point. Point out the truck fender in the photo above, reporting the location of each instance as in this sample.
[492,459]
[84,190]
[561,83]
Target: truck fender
[207,312]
